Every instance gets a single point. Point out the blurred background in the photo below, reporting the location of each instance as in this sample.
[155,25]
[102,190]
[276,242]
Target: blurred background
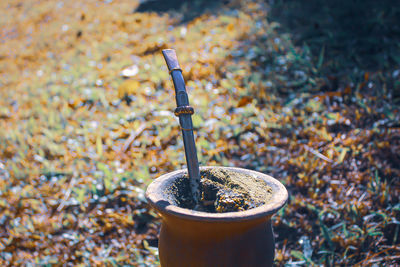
[305,91]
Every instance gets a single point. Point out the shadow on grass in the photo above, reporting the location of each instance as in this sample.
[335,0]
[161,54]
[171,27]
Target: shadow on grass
[354,33]
[188,9]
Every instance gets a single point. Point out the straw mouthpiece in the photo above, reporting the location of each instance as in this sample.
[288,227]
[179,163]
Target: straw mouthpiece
[171,59]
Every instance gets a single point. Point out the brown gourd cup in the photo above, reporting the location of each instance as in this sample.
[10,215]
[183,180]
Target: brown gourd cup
[195,238]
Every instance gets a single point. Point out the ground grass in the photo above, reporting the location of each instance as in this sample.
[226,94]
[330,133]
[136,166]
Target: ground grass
[79,142]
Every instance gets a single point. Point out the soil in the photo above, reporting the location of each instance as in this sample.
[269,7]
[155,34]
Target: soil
[222,191]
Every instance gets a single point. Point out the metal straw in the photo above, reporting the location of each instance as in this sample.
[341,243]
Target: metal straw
[184,112]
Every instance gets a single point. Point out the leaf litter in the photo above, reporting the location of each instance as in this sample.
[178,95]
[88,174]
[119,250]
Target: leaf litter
[86,124]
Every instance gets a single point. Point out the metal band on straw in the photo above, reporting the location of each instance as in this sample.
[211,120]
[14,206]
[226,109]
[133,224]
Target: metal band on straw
[183,110]
[175,69]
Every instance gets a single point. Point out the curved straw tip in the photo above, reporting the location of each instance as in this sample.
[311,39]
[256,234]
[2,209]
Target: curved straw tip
[168,49]
[171,59]
[169,53]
